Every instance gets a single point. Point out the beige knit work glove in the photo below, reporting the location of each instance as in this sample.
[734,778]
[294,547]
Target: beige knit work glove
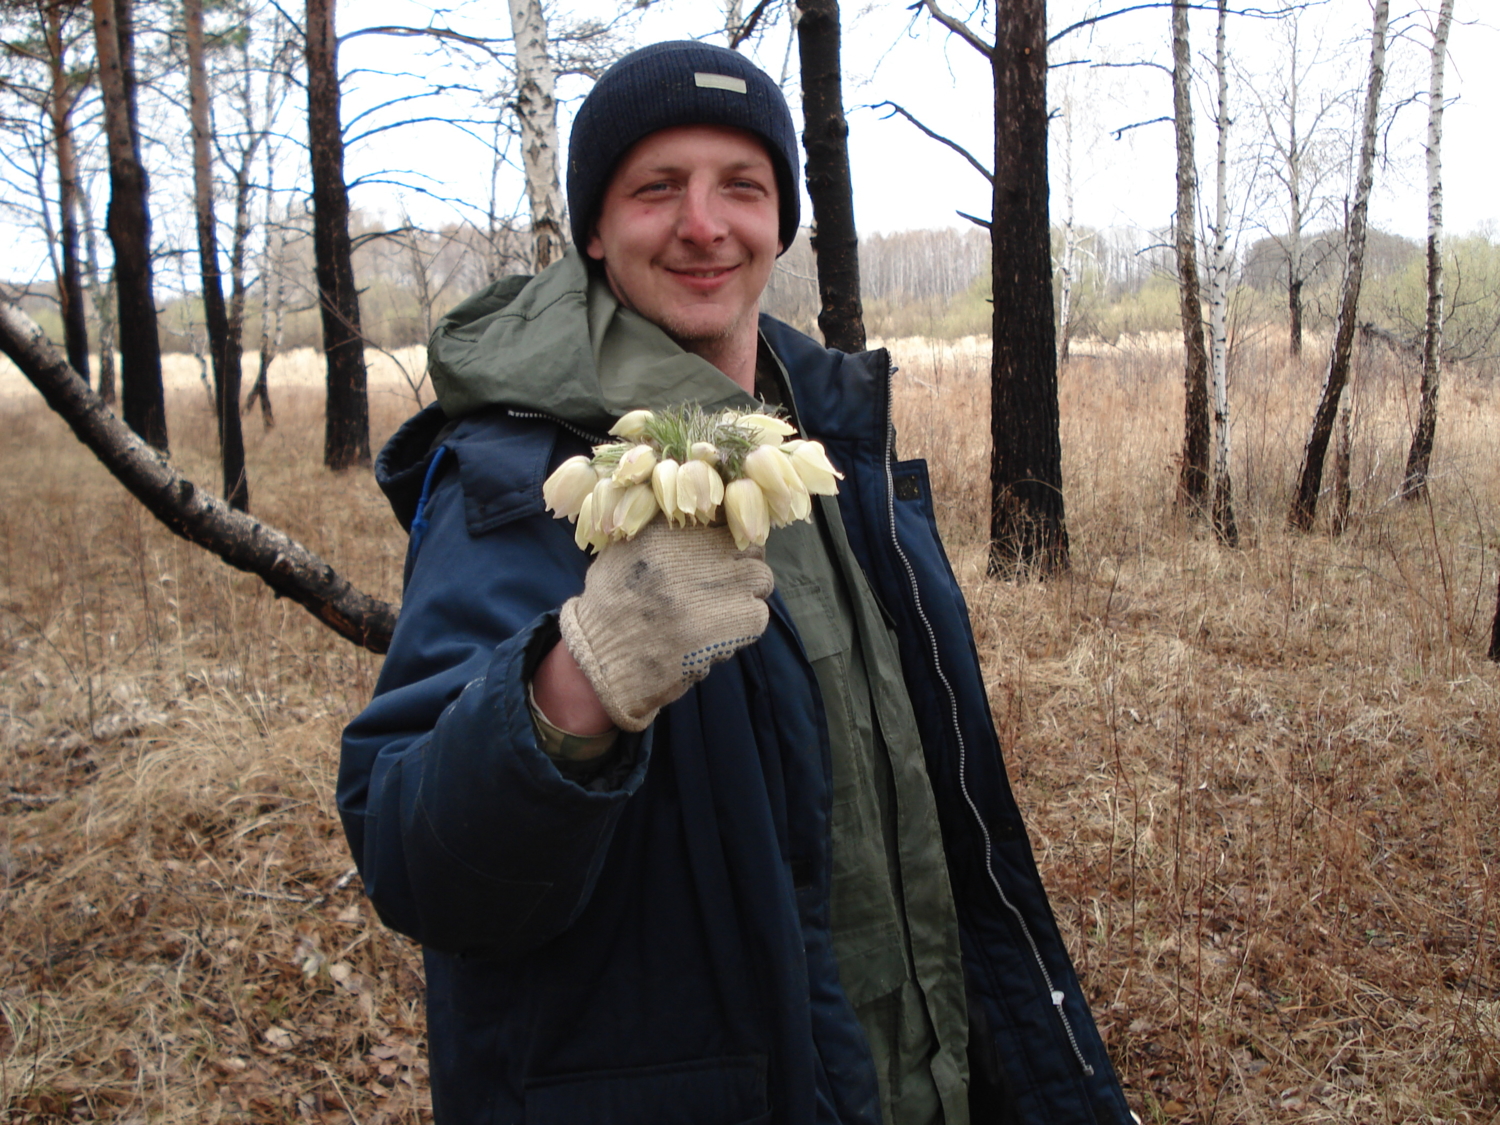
[659,610]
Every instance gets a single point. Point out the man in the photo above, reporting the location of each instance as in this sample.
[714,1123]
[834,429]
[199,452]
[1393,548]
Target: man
[794,889]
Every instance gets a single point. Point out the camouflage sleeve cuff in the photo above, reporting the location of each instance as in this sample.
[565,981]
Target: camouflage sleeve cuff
[562,746]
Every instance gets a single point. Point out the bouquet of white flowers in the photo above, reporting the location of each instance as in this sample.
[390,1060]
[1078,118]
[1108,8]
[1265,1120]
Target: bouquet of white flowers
[690,467]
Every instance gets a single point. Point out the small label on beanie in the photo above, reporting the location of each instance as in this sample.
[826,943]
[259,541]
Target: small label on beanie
[719,82]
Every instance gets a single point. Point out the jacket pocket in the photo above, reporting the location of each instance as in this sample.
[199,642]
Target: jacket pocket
[724,1091]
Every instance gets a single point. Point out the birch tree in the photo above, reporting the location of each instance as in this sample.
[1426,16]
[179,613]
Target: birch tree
[1419,458]
[1192,472]
[825,137]
[101,292]
[536,110]
[1304,507]
[1068,261]
[272,324]
[1303,126]
[1218,301]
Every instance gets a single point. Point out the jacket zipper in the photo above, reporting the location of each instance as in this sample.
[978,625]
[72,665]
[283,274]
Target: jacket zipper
[963,750]
[577,431]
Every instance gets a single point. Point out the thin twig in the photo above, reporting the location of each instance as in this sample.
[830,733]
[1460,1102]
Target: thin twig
[954,145]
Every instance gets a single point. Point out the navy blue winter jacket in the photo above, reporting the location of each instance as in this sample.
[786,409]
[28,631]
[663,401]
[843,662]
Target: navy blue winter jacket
[654,949]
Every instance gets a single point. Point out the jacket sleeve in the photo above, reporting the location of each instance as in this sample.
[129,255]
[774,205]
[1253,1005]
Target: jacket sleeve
[467,836]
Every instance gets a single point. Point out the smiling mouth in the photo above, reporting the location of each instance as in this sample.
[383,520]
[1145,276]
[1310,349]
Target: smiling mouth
[702,274]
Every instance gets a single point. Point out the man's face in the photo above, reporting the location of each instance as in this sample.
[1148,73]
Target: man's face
[687,232]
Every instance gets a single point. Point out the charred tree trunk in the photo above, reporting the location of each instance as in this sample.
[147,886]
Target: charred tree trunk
[825,136]
[536,109]
[60,110]
[1494,653]
[1192,473]
[223,347]
[346,433]
[289,568]
[1419,458]
[129,224]
[1028,528]
[1310,479]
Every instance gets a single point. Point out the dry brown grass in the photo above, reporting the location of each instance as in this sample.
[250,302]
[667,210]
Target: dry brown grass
[1261,783]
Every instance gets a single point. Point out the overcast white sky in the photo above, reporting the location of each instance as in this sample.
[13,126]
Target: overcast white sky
[903,180]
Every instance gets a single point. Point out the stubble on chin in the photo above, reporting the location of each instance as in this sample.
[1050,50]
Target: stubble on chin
[715,343]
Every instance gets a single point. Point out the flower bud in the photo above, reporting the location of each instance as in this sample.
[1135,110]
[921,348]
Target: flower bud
[635,465]
[745,511]
[816,471]
[766,429]
[664,487]
[704,451]
[764,465]
[586,534]
[634,511]
[564,491]
[801,501]
[699,491]
[606,495]
[632,424]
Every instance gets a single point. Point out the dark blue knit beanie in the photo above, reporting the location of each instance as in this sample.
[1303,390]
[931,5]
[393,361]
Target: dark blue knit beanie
[670,84]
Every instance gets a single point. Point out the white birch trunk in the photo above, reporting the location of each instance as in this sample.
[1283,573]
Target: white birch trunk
[1070,240]
[1304,507]
[102,294]
[1194,477]
[1294,277]
[536,107]
[1419,460]
[273,294]
[1218,302]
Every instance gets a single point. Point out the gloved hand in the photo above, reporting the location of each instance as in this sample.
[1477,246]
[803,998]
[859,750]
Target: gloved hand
[659,610]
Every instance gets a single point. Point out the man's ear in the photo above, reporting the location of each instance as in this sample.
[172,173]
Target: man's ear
[595,247]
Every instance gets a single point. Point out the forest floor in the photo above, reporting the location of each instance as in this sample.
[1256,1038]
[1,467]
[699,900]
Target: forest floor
[1261,783]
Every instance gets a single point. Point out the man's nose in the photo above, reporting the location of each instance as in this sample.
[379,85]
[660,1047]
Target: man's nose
[701,220]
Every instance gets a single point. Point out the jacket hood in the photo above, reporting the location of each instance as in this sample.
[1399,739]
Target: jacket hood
[560,344]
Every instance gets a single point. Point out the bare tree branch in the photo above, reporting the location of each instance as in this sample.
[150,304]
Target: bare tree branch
[747,29]
[485,45]
[1128,65]
[1123,129]
[955,25]
[283,564]
[1256,13]
[954,145]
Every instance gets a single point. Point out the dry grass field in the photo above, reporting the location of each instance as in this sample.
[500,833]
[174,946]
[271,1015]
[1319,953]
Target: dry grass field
[1261,783]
